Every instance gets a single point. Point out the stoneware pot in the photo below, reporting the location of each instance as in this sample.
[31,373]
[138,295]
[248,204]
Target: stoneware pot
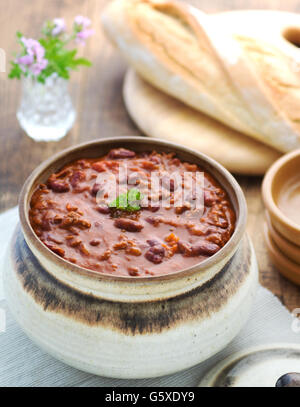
[130,327]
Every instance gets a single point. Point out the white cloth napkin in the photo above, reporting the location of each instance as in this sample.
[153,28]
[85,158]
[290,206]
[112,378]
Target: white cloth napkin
[22,363]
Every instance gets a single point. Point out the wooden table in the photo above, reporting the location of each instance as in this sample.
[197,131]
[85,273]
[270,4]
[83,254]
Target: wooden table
[101,113]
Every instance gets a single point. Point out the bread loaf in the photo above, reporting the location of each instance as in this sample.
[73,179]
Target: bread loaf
[247,83]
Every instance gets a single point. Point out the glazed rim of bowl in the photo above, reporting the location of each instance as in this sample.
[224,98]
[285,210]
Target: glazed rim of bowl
[138,144]
[267,190]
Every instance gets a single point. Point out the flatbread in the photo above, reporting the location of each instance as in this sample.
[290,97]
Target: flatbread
[161,116]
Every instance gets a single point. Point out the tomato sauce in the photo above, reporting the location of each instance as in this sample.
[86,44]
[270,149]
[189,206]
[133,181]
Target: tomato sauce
[147,239]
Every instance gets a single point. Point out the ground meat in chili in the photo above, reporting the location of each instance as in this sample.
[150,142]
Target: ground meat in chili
[153,240]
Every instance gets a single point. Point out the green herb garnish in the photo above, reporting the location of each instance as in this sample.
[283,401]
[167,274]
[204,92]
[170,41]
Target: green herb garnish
[128,201]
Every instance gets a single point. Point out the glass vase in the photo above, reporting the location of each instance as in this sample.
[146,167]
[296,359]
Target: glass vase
[46,112]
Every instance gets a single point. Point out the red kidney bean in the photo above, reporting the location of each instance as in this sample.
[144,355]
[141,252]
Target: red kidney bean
[83,164]
[152,208]
[198,249]
[121,153]
[77,177]
[184,248]
[204,249]
[103,209]
[152,242]
[209,198]
[46,224]
[96,188]
[128,224]
[155,254]
[59,186]
[153,220]
[95,242]
[168,183]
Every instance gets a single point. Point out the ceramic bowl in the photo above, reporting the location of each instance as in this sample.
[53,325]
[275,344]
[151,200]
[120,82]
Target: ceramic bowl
[130,327]
[285,266]
[289,249]
[280,175]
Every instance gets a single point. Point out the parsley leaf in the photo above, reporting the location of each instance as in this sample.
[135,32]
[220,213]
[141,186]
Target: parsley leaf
[128,201]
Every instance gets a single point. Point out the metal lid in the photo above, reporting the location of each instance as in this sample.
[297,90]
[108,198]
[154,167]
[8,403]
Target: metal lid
[261,366]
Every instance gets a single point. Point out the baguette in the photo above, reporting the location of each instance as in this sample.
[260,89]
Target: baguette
[244,82]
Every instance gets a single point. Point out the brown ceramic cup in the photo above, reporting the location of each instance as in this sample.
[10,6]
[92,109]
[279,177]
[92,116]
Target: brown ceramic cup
[280,175]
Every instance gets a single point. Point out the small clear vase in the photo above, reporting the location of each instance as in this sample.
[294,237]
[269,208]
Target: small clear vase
[46,112]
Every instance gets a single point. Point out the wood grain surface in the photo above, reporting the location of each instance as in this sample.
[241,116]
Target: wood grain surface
[100,110]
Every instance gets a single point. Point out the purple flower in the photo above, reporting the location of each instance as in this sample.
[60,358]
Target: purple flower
[33,47]
[82,22]
[59,26]
[81,25]
[34,58]
[81,36]
[38,67]
[25,60]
